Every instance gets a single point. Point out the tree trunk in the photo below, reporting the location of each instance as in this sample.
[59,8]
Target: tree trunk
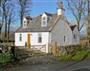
[21,19]
[88,28]
[8,31]
[78,23]
[5,27]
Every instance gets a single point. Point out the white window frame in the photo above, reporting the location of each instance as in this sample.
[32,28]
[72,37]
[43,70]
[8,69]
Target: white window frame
[20,37]
[44,22]
[39,38]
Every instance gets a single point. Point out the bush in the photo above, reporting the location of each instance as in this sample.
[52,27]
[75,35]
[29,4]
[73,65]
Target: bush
[80,55]
[88,54]
[66,57]
[5,57]
[76,56]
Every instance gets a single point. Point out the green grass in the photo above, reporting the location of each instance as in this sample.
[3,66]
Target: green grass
[80,55]
[77,56]
[66,57]
[4,57]
[88,54]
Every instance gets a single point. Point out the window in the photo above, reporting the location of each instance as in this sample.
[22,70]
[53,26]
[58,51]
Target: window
[24,25]
[44,22]
[39,38]
[28,21]
[74,36]
[44,18]
[24,21]
[20,38]
[64,38]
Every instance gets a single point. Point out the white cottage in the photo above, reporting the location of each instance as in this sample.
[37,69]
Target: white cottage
[38,32]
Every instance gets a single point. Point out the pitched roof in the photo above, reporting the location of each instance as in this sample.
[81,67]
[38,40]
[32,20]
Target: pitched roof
[35,25]
[28,18]
[73,27]
[48,14]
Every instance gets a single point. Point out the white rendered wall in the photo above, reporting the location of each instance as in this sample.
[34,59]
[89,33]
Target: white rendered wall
[33,39]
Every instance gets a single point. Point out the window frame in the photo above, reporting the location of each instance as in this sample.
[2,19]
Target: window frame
[44,18]
[74,36]
[39,38]
[20,37]
[44,21]
[64,38]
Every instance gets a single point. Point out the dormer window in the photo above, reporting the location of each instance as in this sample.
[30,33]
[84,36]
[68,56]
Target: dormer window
[24,23]
[44,18]
[44,22]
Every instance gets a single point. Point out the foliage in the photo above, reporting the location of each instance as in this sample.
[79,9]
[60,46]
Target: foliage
[89,54]
[5,57]
[80,55]
[66,57]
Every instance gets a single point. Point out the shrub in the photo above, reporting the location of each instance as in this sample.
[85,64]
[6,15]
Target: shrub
[66,57]
[80,55]
[88,54]
[5,57]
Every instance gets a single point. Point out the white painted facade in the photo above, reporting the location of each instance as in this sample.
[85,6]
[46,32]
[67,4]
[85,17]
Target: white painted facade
[76,36]
[44,20]
[24,22]
[62,34]
[33,40]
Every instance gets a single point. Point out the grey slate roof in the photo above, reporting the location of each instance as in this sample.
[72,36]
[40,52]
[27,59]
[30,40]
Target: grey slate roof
[35,25]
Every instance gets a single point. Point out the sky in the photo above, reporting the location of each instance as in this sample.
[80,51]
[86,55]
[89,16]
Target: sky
[40,6]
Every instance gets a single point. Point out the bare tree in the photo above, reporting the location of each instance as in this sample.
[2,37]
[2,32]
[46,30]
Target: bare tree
[88,19]
[77,8]
[3,6]
[7,8]
[24,8]
[10,18]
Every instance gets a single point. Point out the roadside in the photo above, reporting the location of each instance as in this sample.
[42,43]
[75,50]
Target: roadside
[30,60]
[55,65]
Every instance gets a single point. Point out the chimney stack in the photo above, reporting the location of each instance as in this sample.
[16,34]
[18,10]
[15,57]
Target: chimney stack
[60,10]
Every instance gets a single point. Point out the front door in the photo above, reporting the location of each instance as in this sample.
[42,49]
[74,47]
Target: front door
[28,40]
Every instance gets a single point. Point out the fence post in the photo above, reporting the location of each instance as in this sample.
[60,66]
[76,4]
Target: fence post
[54,48]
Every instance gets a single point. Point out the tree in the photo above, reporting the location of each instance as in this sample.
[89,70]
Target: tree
[1,14]
[24,8]
[7,11]
[88,10]
[77,8]
[10,18]
[4,16]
